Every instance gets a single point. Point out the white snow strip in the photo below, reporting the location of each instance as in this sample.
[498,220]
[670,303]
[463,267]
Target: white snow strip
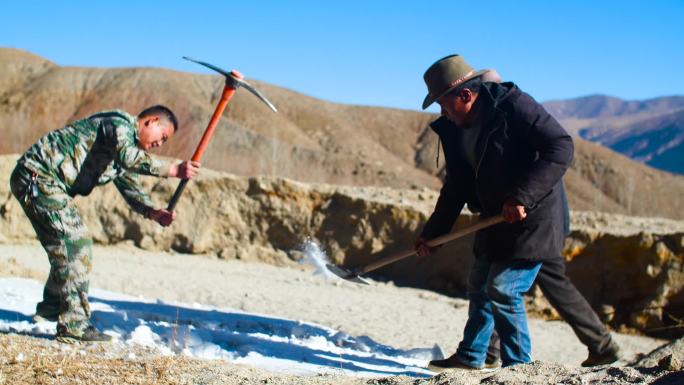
[272,343]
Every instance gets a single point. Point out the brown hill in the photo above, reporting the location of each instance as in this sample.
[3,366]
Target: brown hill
[309,139]
[648,131]
[602,106]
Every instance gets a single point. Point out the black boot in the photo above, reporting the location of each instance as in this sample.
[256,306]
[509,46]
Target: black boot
[608,356]
[44,317]
[46,311]
[453,363]
[90,334]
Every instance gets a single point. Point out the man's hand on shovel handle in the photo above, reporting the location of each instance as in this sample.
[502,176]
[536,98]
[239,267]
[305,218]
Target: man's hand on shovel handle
[185,170]
[422,249]
[162,216]
[513,211]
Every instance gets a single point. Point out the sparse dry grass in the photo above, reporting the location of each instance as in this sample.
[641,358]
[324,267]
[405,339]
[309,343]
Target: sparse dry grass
[29,360]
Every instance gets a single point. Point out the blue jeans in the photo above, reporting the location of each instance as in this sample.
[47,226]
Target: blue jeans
[495,290]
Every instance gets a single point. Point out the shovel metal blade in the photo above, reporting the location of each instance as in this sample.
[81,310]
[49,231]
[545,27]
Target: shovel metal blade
[345,274]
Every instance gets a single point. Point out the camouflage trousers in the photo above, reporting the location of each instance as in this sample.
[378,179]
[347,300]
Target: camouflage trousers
[65,238]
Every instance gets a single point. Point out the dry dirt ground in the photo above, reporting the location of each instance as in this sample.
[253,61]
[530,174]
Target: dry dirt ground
[399,317]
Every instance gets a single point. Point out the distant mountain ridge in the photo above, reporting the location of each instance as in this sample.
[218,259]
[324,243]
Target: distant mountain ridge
[649,131]
[603,106]
[310,140]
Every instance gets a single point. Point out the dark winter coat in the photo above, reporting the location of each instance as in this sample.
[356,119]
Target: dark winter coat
[522,154]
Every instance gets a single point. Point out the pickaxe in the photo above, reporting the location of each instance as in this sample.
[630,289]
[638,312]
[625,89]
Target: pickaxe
[354,274]
[234,80]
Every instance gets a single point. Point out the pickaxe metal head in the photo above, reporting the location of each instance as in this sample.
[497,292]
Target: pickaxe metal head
[234,79]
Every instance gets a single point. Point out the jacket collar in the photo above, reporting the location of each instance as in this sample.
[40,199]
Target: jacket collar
[493,95]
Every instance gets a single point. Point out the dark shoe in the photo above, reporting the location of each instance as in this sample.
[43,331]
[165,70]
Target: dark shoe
[492,363]
[46,311]
[609,356]
[452,363]
[39,317]
[91,334]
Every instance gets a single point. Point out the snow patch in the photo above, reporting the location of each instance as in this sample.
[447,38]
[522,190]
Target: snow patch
[271,343]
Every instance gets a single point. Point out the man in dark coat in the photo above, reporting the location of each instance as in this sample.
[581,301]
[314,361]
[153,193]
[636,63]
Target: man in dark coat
[504,155]
[565,298]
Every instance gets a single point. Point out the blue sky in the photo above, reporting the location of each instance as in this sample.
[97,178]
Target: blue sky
[371,52]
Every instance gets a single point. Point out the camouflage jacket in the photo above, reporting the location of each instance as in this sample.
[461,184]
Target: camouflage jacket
[94,151]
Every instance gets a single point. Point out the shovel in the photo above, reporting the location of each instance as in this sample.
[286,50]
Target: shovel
[353,274]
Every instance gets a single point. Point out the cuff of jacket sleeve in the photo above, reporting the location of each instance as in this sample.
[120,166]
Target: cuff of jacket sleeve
[165,169]
[429,232]
[146,212]
[520,199]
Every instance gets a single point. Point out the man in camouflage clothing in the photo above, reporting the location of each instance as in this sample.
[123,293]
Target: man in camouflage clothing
[109,146]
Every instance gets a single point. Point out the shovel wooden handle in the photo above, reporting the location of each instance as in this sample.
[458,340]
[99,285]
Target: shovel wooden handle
[432,243]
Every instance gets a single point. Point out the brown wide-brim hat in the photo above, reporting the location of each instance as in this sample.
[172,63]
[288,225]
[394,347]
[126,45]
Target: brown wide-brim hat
[445,75]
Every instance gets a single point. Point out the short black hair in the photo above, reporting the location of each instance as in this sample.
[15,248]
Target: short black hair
[473,84]
[161,111]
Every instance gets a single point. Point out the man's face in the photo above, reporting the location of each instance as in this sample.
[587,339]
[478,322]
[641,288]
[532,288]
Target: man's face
[456,106]
[153,132]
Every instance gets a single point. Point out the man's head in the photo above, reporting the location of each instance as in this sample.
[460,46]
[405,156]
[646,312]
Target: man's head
[156,125]
[457,104]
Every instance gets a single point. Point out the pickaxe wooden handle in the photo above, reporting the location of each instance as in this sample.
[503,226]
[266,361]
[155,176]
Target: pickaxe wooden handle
[234,80]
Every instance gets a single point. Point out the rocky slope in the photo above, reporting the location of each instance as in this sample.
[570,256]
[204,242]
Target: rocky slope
[308,140]
[629,268]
